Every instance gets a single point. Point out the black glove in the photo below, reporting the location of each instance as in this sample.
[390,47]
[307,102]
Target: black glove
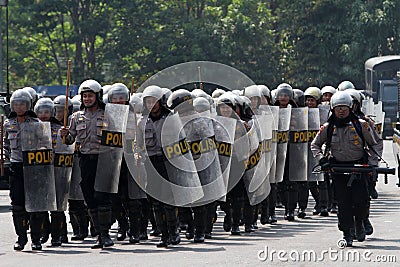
[324,163]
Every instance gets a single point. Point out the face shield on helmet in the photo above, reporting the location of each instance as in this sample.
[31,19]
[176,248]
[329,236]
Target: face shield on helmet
[136,103]
[44,108]
[355,94]
[254,94]
[265,92]
[284,89]
[20,101]
[75,104]
[151,95]
[200,104]
[217,93]
[59,104]
[298,97]
[341,98]
[33,94]
[346,85]
[181,99]
[244,104]
[226,105]
[118,93]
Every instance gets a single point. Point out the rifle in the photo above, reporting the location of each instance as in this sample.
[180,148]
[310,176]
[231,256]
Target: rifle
[354,169]
[66,97]
[2,152]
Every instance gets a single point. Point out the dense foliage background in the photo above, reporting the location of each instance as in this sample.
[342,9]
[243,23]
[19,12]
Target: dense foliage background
[302,42]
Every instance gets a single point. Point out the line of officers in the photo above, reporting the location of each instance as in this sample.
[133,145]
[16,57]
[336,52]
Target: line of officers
[133,210]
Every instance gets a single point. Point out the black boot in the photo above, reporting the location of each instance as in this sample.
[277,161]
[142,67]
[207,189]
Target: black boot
[37,223]
[20,224]
[93,213]
[348,236]
[290,216]
[64,230]
[235,229]
[164,241]
[324,212]
[359,230]
[56,228]
[105,218]
[135,216]
[171,215]
[190,230]
[368,227]
[199,237]
[45,229]
[73,219]
[301,213]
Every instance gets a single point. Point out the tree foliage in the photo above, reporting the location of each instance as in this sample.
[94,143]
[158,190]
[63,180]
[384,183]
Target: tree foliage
[302,42]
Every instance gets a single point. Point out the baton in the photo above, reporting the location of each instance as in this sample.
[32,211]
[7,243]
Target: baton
[66,97]
[2,152]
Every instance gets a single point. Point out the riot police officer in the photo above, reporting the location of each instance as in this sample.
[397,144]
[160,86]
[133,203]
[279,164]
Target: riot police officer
[149,140]
[21,105]
[85,127]
[345,137]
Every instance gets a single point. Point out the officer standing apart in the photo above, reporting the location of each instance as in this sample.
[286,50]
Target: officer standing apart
[346,137]
[85,126]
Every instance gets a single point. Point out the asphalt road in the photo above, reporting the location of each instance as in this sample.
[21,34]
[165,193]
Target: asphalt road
[306,242]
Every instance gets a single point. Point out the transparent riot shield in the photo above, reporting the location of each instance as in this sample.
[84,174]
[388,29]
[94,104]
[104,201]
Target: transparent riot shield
[367,107]
[274,143]
[63,162]
[137,178]
[39,183]
[282,137]
[379,118]
[184,179]
[298,144]
[111,151]
[324,111]
[75,190]
[313,128]
[200,135]
[224,129]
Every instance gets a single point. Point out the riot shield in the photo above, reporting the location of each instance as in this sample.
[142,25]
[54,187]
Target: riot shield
[298,144]
[313,128]
[274,143]
[37,151]
[137,178]
[324,111]
[111,151]
[379,118]
[367,107]
[200,135]
[224,129]
[63,162]
[75,190]
[282,137]
[183,176]
[255,169]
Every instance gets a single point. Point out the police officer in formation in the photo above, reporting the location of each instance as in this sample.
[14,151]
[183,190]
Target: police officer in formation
[344,136]
[85,127]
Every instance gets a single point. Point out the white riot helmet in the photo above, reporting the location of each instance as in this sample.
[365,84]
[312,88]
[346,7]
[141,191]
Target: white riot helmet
[136,103]
[91,86]
[252,91]
[217,93]
[59,102]
[201,104]
[21,95]
[328,89]
[44,103]
[345,85]
[341,98]
[118,89]
[284,88]
[355,94]
[313,92]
